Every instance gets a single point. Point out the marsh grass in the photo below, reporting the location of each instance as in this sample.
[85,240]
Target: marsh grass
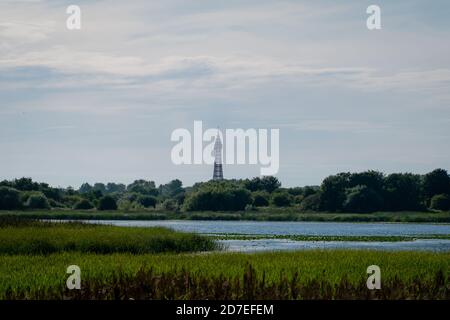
[318,274]
[24,236]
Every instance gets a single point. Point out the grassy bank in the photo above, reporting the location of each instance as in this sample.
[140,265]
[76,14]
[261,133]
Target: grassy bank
[266,214]
[316,274]
[19,236]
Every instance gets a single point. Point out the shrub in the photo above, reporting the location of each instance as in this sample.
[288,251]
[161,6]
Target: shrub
[107,203]
[250,207]
[9,198]
[71,200]
[170,205]
[260,199]
[298,199]
[37,201]
[311,203]
[83,205]
[147,201]
[440,202]
[218,196]
[55,204]
[282,199]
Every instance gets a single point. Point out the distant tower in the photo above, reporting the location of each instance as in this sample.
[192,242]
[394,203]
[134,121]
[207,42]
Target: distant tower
[218,173]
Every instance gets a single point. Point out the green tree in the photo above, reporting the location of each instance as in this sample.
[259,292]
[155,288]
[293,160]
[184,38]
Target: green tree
[171,189]
[267,183]
[25,184]
[37,201]
[83,204]
[362,199]
[282,199]
[440,202]
[115,187]
[143,187]
[436,182]
[9,198]
[311,203]
[217,196]
[333,192]
[371,179]
[85,188]
[99,187]
[147,201]
[107,203]
[260,198]
[170,205]
[402,191]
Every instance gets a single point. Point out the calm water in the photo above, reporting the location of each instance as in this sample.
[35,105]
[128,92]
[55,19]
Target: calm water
[285,244]
[291,228]
[305,228]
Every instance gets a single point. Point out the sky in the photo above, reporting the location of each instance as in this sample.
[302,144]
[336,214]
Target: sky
[99,104]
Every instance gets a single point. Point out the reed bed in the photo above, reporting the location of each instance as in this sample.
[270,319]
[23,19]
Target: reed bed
[318,274]
[24,236]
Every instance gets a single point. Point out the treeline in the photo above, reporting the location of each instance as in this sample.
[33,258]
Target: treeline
[362,192]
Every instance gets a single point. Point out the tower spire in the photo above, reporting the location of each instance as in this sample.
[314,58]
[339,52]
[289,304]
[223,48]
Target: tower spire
[218,172]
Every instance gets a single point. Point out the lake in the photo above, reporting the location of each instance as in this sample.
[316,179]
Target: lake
[305,228]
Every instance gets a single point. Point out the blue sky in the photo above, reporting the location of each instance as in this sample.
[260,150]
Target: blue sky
[99,104]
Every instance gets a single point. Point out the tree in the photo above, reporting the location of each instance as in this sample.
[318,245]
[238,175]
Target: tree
[147,201]
[333,191]
[171,189]
[260,199]
[372,179]
[37,201]
[85,188]
[440,202]
[143,187]
[270,183]
[170,205]
[107,203]
[402,191]
[83,204]
[362,199]
[281,199]
[100,187]
[50,193]
[267,183]
[115,187]
[9,198]
[436,182]
[310,190]
[217,196]
[25,184]
[311,203]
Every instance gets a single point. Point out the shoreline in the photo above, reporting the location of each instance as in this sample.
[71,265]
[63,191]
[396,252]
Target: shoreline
[275,215]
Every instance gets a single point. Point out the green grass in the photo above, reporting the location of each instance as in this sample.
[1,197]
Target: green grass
[19,236]
[327,238]
[264,214]
[154,263]
[325,274]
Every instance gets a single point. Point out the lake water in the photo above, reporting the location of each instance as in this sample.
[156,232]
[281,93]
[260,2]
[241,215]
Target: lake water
[305,228]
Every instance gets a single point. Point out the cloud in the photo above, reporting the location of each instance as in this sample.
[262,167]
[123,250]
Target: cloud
[90,68]
[335,125]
